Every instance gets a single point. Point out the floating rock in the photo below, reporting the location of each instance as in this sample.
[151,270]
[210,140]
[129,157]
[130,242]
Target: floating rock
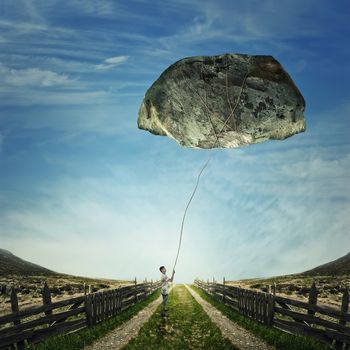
[223,101]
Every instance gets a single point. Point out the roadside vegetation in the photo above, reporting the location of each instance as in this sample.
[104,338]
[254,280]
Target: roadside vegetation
[297,287]
[29,288]
[86,336]
[187,327]
[272,336]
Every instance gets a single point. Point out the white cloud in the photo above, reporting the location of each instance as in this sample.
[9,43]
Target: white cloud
[116,60]
[112,62]
[32,77]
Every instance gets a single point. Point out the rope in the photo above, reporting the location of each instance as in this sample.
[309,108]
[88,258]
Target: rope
[233,109]
[185,213]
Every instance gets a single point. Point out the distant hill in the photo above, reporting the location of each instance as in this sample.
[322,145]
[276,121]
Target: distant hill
[12,265]
[337,267]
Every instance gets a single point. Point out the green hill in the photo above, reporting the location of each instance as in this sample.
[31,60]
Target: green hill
[12,265]
[338,267]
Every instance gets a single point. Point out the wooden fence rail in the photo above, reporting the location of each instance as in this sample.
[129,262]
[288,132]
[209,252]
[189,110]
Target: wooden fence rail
[326,324]
[32,325]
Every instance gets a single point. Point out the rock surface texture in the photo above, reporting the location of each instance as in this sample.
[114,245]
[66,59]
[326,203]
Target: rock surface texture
[224,101]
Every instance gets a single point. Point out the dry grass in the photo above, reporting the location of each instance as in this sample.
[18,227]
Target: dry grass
[298,286]
[29,288]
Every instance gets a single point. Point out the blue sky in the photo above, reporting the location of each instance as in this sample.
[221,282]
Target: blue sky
[83,191]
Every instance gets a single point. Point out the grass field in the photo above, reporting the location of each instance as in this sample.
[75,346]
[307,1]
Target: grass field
[272,336]
[188,327]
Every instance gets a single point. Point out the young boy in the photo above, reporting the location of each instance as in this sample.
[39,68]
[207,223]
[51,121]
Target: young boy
[165,288]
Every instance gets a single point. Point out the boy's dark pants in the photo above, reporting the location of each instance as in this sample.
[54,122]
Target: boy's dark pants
[165,301]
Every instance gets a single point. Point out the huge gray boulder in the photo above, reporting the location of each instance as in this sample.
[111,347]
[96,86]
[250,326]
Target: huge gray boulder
[224,101]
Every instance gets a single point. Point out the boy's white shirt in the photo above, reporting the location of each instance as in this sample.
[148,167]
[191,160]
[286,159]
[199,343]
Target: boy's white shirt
[164,279]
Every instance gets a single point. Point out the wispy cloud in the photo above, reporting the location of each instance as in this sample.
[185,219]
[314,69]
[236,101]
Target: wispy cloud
[64,65]
[42,47]
[32,77]
[1,141]
[46,85]
[35,86]
[94,212]
[16,28]
[252,204]
[36,97]
[94,7]
[72,78]
[112,62]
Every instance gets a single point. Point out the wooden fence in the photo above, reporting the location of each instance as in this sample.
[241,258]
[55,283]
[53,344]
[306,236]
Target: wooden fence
[32,325]
[327,324]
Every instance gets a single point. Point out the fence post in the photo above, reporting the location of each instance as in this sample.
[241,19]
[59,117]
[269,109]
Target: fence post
[103,304]
[94,308]
[14,304]
[47,298]
[135,297]
[270,309]
[274,289]
[344,309]
[268,289]
[15,309]
[84,286]
[88,309]
[312,298]
[115,302]
[118,302]
[223,292]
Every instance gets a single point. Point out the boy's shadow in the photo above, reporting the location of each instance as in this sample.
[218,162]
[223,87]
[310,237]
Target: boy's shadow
[163,326]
